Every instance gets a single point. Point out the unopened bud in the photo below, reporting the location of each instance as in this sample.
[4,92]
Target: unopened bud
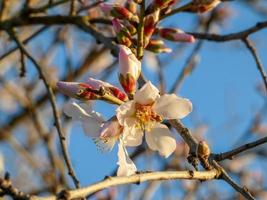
[150,23]
[175,35]
[122,33]
[111,89]
[118,11]
[90,90]
[203,149]
[129,69]
[131,6]
[158,46]
[159,4]
[202,6]
[131,28]
[77,90]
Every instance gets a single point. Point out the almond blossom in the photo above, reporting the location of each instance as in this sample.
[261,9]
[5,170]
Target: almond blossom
[104,133]
[145,113]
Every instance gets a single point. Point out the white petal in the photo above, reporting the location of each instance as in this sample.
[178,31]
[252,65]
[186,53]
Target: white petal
[132,136]
[170,106]
[124,111]
[91,121]
[126,165]
[130,122]
[147,94]
[91,126]
[160,139]
[76,112]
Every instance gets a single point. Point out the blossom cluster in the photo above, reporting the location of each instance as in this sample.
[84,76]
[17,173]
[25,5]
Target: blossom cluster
[141,112]
[140,115]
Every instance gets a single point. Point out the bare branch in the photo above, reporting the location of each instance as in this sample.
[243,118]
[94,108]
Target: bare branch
[54,108]
[253,51]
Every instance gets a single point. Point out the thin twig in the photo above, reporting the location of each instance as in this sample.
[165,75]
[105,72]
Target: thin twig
[234,152]
[26,41]
[54,108]
[232,36]
[224,176]
[260,67]
[140,31]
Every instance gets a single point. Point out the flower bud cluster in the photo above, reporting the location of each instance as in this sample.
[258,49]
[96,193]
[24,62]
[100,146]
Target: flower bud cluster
[126,23]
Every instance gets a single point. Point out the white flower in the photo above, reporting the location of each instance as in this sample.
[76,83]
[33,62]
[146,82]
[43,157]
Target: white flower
[104,133]
[83,112]
[145,114]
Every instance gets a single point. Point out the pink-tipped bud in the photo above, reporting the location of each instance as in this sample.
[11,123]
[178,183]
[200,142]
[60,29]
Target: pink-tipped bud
[77,90]
[158,46]
[117,25]
[90,90]
[131,6]
[175,35]
[202,6]
[118,11]
[131,28]
[106,7]
[111,89]
[159,4]
[129,69]
[150,23]
[122,33]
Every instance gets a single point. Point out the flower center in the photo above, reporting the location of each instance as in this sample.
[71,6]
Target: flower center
[145,115]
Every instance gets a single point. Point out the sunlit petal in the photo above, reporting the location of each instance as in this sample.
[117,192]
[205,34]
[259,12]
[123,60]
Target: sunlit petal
[132,136]
[160,139]
[124,111]
[147,94]
[170,106]
[126,165]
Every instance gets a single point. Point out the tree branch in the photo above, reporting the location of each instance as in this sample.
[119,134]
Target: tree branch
[253,52]
[54,108]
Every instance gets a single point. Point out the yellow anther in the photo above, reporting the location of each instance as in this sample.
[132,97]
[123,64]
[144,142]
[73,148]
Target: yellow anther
[146,116]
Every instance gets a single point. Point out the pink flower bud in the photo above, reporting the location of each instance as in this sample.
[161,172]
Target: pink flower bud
[202,6]
[176,35]
[76,90]
[158,46]
[129,69]
[122,33]
[117,25]
[89,90]
[118,11]
[106,8]
[163,3]
[116,92]
[159,4]
[131,28]
[131,6]
[150,23]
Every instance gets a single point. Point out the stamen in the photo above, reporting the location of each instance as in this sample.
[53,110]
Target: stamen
[146,116]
